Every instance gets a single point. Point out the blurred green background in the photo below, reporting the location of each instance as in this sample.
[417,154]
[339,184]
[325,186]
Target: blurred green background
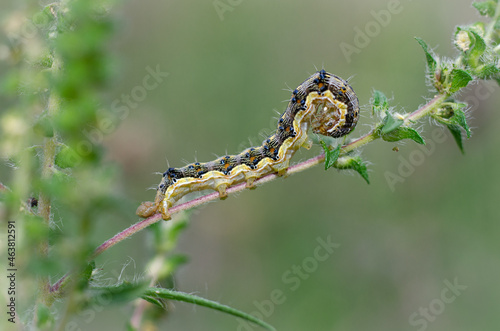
[398,244]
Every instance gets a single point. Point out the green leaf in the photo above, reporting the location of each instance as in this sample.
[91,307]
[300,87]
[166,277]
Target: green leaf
[163,293]
[34,228]
[66,158]
[487,70]
[166,234]
[354,163]
[460,79]
[390,123]
[404,132]
[485,8]
[431,61]
[379,102]
[123,292]
[45,61]
[44,18]
[86,275]
[471,43]
[330,156]
[460,119]
[44,317]
[160,303]
[176,229]
[478,45]
[130,327]
[454,117]
[457,134]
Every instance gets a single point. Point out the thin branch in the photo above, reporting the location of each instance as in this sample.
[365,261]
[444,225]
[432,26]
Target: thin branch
[44,202]
[358,143]
[125,234]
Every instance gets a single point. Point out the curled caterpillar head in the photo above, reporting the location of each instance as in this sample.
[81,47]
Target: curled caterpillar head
[338,113]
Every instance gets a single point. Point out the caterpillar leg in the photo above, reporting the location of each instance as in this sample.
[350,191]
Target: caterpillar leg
[307,144]
[281,169]
[222,191]
[164,210]
[249,183]
[282,172]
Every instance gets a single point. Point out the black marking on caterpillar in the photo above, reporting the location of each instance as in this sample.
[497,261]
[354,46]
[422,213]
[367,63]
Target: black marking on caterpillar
[324,102]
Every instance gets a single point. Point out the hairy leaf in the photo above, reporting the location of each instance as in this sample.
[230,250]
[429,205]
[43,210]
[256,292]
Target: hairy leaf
[460,79]
[485,8]
[354,163]
[404,133]
[431,61]
[330,156]
[379,102]
[390,123]
[457,134]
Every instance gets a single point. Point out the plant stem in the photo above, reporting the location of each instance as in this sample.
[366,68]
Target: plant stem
[435,103]
[44,203]
[423,111]
[356,144]
[125,234]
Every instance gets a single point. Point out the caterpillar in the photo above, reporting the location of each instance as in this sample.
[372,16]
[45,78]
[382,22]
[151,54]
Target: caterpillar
[323,102]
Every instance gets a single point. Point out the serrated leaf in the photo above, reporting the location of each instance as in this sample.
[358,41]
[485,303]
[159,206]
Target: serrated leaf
[478,45]
[185,297]
[404,132]
[431,61]
[460,119]
[87,273]
[379,102]
[354,163]
[460,79]
[330,156]
[485,8]
[457,135]
[390,123]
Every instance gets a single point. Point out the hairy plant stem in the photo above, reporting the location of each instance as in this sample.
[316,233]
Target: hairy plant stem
[409,119]
[44,202]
